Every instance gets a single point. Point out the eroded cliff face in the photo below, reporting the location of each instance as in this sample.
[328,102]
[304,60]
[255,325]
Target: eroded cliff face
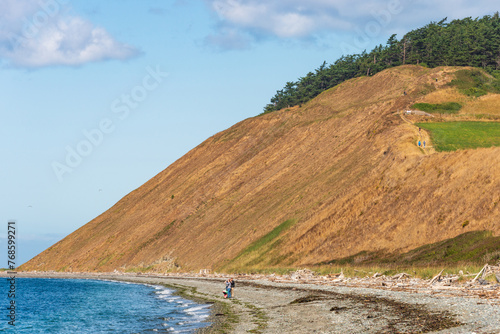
[344,168]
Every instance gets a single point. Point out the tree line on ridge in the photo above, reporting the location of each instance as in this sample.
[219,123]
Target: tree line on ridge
[465,42]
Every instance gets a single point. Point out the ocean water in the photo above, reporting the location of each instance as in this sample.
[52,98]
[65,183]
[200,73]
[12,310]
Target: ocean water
[92,306]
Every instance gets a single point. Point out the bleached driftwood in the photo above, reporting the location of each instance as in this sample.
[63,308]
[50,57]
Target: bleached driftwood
[436,278]
[401,276]
[480,274]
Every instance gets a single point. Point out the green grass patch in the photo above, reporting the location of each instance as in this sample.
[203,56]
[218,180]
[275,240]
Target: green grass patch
[451,136]
[269,237]
[475,83]
[258,251]
[442,108]
[471,248]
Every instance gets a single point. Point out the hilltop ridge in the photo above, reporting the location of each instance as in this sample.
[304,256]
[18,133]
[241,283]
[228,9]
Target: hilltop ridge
[304,185]
[465,42]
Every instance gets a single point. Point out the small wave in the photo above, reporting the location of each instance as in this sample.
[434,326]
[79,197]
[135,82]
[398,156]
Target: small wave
[198,313]
[196,308]
[164,294]
[115,281]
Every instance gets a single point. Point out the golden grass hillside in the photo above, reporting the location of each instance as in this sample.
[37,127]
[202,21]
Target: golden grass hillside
[340,175]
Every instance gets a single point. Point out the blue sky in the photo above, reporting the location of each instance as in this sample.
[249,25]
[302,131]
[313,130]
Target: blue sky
[100,96]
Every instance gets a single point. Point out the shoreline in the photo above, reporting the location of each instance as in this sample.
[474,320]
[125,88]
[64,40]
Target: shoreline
[270,305]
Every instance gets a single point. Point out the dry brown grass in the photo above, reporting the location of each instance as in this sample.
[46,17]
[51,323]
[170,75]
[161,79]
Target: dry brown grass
[444,95]
[344,166]
[484,105]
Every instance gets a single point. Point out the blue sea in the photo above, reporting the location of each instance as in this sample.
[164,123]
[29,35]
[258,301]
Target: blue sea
[93,306]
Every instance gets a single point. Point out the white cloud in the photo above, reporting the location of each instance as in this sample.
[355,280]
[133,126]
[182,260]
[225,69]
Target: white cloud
[286,19]
[37,34]
[299,19]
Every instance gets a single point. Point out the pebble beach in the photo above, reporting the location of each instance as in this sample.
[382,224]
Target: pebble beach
[287,304]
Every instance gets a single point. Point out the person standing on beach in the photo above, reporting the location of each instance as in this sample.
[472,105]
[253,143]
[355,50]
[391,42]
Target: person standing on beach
[228,288]
[232,287]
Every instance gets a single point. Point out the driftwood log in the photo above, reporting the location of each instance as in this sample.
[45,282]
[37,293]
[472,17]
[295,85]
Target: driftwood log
[436,278]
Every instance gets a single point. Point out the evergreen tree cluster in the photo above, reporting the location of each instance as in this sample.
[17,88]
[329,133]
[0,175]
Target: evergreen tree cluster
[466,42]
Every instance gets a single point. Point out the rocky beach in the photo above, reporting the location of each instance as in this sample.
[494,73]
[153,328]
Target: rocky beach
[306,303]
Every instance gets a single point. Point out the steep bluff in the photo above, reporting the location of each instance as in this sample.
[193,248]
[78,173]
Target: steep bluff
[343,170]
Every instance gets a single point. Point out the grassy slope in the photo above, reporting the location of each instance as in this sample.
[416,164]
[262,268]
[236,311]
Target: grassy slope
[256,252]
[471,248]
[344,167]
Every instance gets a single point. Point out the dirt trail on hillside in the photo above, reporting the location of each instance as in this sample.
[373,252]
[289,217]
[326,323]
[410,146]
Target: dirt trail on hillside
[421,135]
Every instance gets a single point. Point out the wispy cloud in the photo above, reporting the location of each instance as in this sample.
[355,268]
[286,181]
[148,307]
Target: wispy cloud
[298,19]
[37,34]
[286,19]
